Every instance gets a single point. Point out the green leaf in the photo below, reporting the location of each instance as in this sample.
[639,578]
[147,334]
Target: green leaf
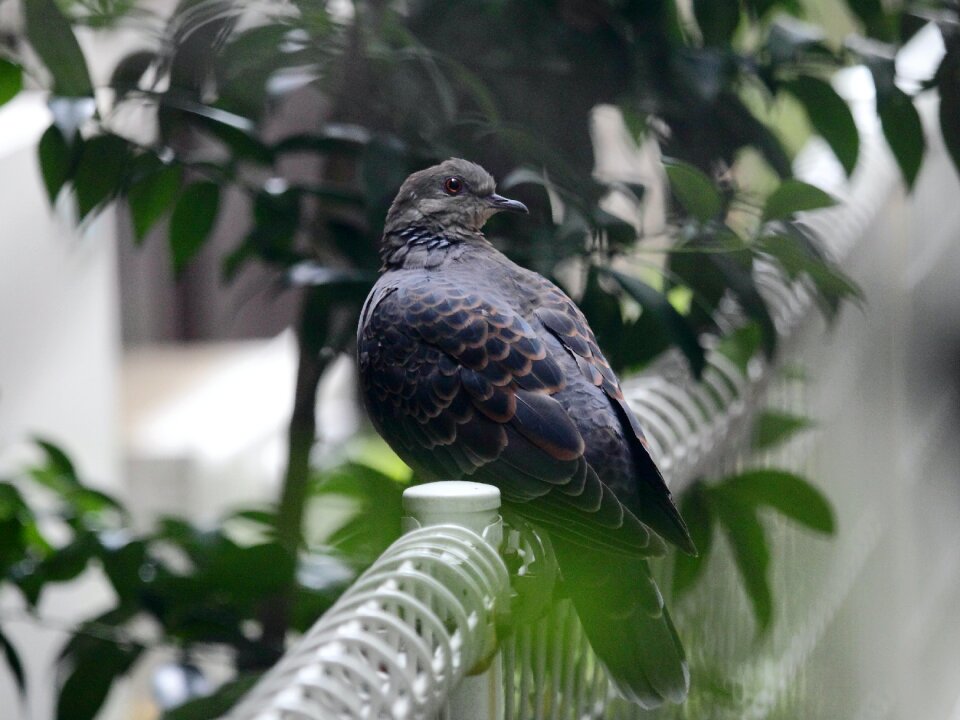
[696,511]
[676,326]
[750,551]
[903,130]
[797,255]
[737,272]
[127,73]
[693,190]
[948,77]
[878,23]
[773,428]
[57,460]
[153,196]
[101,171]
[741,345]
[91,677]
[830,116]
[52,37]
[11,80]
[793,196]
[718,20]
[192,220]
[55,161]
[789,494]
[217,704]
[13,662]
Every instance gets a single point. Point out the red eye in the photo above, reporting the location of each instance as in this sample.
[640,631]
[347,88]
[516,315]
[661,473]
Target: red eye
[452,186]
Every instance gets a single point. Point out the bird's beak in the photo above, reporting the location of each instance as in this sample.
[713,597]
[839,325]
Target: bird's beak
[498,203]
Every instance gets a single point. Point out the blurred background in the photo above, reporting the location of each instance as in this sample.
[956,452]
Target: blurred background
[191,196]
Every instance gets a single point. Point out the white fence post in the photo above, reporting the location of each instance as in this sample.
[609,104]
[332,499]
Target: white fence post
[476,506]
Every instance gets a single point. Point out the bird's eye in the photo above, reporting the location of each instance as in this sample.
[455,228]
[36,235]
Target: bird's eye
[452,186]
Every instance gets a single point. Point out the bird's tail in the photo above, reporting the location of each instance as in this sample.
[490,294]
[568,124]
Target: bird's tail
[623,615]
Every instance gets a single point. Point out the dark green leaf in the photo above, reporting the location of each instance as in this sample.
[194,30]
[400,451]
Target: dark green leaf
[256,570]
[696,511]
[11,80]
[798,255]
[153,196]
[126,75]
[53,39]
[91,678]
[793,196]
[830,116]
[69,561]
[192,220]
[57,459]
[123,564]
[217,704]
[694,190]
[903,130]
[750,551]
[55,161]
[737,272]
[334,138]
[676,326]
[773,428]
[948,77]
[789,494]
[718,20]
[101,171]
[878,23]
[13,662]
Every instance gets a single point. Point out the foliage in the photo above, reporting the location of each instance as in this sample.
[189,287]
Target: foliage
[510,84]
[179,586]
[732,505]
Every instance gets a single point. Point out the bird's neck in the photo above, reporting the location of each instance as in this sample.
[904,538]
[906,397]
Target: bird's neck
[419,245]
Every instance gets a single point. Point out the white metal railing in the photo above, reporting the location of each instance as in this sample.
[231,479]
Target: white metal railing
[423,616]
[409,629]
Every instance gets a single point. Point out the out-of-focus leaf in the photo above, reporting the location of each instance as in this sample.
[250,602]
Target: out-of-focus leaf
[737,273]
[877,21]
[91,677]
[830,116]
[948,77]
[217,704]
[797,255]
[694,190]
[192,220]
[750,551]
[52,37]
[130,69]
[69,561]
[123,562]
[789,494]
[696,511]
[11,80]
[904,133]
[333,138]
[256,571]
[741,345]
[793,196]
[55,161]
[57,460]
[773,428]
[13,662]
[718,20]
[676,326]
[789,37]
[152,197]
[100,173]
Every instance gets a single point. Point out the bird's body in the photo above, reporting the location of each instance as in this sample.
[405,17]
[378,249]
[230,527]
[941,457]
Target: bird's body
[473,367]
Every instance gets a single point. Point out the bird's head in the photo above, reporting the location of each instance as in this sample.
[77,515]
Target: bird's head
[456,195]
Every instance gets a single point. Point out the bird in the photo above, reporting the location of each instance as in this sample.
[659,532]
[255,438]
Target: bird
[473,367]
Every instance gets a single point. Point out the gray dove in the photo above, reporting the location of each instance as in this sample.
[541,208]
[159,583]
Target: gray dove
[473,367]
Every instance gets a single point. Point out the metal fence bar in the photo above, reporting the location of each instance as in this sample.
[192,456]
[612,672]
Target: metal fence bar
[407,632]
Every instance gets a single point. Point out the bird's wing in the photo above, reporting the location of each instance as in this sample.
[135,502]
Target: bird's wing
[564,320]
[462,386]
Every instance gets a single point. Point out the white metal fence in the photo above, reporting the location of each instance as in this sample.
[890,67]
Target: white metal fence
[867,625]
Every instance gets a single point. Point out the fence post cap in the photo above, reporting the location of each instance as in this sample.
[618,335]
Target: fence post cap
[450,496]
